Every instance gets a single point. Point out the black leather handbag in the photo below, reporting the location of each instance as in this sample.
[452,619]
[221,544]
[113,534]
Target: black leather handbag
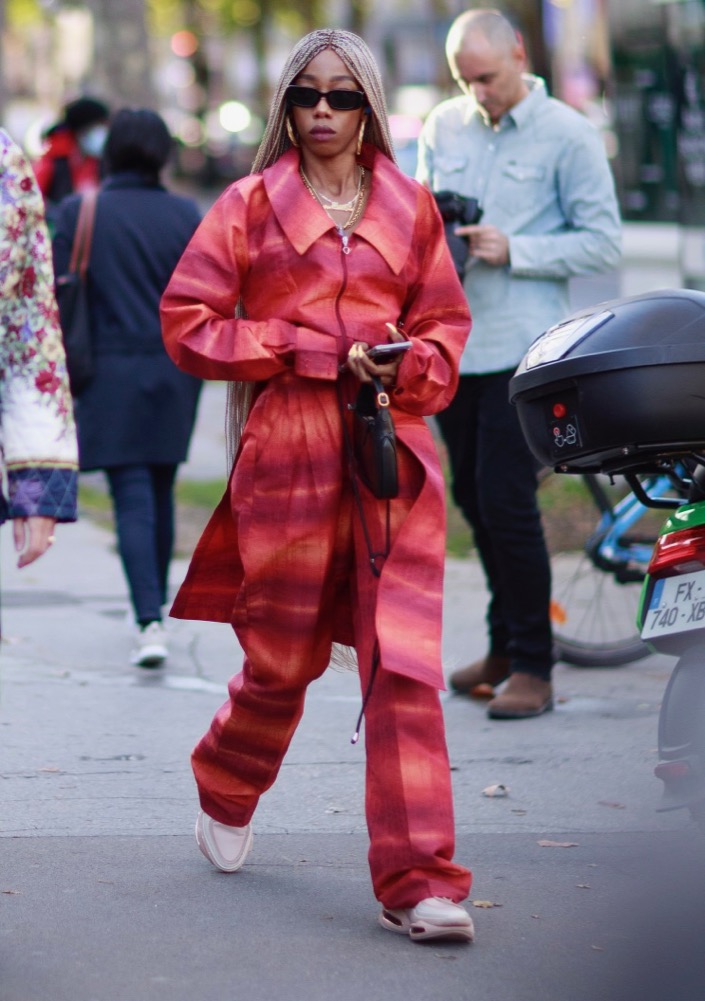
[374,440]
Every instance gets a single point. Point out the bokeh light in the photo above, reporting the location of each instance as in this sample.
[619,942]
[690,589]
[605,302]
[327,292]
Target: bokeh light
[234,116]
[184,43]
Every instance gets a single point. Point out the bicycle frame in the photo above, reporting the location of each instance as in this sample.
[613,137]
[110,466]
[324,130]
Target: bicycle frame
[595,591]
[610,547]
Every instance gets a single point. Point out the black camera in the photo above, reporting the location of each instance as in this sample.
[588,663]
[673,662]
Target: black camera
[457,210]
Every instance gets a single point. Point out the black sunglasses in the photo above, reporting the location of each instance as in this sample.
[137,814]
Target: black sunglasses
[338,100]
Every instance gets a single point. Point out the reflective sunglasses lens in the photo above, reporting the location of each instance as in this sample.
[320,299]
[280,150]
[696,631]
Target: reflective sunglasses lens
[303,97]
[345,100]
[338,100]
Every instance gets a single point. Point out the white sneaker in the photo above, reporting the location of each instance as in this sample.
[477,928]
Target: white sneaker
[151,648]
[432,918]
[226,847]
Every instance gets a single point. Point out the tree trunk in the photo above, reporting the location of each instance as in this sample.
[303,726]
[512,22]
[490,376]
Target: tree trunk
[123,63]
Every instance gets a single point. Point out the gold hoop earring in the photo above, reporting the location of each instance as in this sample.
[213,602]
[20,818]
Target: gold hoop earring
[290,132]
[360,135]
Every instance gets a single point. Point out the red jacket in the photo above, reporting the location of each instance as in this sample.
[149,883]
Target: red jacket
[82,172]
[267,241]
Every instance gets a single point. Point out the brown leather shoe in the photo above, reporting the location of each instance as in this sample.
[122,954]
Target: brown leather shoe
[479,680]
[525,695]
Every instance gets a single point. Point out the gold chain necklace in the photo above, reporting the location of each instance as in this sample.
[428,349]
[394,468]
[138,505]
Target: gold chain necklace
[334,206]
[357,205]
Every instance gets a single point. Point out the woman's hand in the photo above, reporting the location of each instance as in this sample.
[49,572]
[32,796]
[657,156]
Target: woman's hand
[363,367]
[33,536]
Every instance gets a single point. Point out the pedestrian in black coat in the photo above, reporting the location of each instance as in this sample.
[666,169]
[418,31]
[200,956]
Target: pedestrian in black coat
[136,416]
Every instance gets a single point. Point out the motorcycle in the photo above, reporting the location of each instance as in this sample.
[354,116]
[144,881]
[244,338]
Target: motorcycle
[671,619]
[619,389]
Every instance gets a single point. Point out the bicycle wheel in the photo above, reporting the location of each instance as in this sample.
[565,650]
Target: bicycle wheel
[600,539]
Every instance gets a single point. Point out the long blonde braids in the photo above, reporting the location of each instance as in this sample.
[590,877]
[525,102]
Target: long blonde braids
[359,59]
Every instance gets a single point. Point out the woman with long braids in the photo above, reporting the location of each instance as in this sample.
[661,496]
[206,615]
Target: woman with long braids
[294,273]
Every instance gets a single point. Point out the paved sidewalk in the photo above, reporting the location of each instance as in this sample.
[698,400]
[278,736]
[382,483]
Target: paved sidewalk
[105,897]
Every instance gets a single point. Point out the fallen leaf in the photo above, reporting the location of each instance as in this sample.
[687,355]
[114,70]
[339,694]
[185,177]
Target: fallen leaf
[335,809]
[558,844]
[11,893]
[521,813]
[614,806]
[485,903]
[583,886]
[538,916]
[496,790]
[50,768]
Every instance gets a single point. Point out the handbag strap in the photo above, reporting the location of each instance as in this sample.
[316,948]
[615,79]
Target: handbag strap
[81,249]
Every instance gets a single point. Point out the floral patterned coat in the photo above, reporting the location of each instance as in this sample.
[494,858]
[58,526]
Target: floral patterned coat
[267,242]
[38,435]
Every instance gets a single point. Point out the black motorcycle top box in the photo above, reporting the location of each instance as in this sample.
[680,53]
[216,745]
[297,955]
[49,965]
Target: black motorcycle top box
[617,387]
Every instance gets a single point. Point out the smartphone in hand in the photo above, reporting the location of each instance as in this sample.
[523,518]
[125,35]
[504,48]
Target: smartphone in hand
[382,353]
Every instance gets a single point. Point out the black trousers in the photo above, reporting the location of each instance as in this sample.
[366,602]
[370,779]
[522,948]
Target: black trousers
[494,485]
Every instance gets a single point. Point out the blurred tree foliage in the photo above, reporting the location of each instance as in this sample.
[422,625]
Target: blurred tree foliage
[260,19]
[21,12]
[297,16]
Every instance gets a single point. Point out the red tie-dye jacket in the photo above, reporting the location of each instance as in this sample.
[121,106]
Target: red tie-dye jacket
[268,243]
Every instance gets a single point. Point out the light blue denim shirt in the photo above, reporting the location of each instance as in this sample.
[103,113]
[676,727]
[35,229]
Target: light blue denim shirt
[542,177]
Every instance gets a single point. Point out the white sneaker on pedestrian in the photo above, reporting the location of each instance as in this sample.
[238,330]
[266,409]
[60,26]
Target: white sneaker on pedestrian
[226,847]
[151,650]
[432,918]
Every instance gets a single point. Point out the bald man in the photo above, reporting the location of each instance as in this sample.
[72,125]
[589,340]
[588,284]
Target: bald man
[540,173]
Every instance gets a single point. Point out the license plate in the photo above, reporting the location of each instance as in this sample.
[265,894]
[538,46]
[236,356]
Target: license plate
[677,605]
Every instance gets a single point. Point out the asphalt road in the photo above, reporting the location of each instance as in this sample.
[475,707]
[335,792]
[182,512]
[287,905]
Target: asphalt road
[104,896]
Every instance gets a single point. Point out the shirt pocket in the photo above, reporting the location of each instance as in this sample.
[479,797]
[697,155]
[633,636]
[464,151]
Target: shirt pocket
[521,185]
[448,172]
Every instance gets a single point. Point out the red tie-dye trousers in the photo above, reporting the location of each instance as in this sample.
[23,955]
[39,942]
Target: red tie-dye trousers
[287,644]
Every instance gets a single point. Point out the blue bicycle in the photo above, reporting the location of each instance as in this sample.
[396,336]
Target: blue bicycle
[597,580]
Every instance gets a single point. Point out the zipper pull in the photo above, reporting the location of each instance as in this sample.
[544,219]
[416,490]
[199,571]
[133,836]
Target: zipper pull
[344,238]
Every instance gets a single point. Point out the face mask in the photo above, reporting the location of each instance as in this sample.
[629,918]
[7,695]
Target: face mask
[92,141]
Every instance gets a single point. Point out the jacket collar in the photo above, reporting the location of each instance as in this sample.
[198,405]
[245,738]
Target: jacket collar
[390,213]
